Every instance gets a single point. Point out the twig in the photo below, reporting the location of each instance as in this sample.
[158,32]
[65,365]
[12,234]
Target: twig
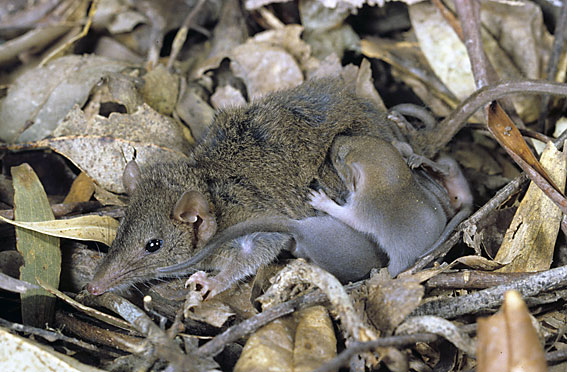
[474,279]
[359,347]
[99,335]
[551,70]
[433,141]
[48,335]
[164,346]
[300,272]
[469,16]
[15,285]
[525,132]
[250,325]
[440,327]
[217,344]
[470,223]
[181,35]
[491,297]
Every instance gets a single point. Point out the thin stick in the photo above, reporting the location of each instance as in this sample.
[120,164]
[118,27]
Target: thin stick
[492,297]
[551,70]
[181,35]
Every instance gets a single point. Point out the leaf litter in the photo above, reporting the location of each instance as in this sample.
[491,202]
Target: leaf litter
[119,95]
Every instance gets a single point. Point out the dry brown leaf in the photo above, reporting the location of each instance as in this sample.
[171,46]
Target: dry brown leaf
[270,349]
[265,68]
[145,125]
[509,137]
[161,89]
[81,190]
[271,60]
[478,263]
[507,341]
[212,312]
[365,85]
[391,301]
[443,49]
[227,96]
[315,341]
[194,109]
[530,240]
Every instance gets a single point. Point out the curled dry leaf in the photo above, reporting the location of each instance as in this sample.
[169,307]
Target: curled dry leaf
[508,341]
[391,301]
[42,255]
[529,242]
[441,327]
[213,312]
[301,272]
[100,229]
[44,95]
[478,263]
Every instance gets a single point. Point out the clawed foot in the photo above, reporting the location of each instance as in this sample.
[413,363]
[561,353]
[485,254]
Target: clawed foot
[210,287]
[415,161]
[319,200]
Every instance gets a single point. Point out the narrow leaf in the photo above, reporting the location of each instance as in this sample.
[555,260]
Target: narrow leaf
[41,253]
[100,229]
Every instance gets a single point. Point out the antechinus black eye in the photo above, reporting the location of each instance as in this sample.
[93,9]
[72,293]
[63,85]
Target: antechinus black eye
[153,245]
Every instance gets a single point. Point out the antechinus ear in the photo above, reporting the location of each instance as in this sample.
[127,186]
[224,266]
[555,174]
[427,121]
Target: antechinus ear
[191,207]
[131,176]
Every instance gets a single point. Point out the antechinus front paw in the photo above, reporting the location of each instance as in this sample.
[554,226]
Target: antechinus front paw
[319,200]
[210,287]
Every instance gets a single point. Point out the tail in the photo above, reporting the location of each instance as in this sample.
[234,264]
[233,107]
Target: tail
[260,224]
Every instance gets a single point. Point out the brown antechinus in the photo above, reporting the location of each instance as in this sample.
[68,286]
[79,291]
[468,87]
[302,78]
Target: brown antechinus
[407,213]
[256,161]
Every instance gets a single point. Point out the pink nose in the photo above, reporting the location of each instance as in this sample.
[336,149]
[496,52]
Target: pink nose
[95,288]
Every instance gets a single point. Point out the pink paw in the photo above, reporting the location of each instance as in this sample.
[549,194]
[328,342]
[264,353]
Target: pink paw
[208,285]
[319,200]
